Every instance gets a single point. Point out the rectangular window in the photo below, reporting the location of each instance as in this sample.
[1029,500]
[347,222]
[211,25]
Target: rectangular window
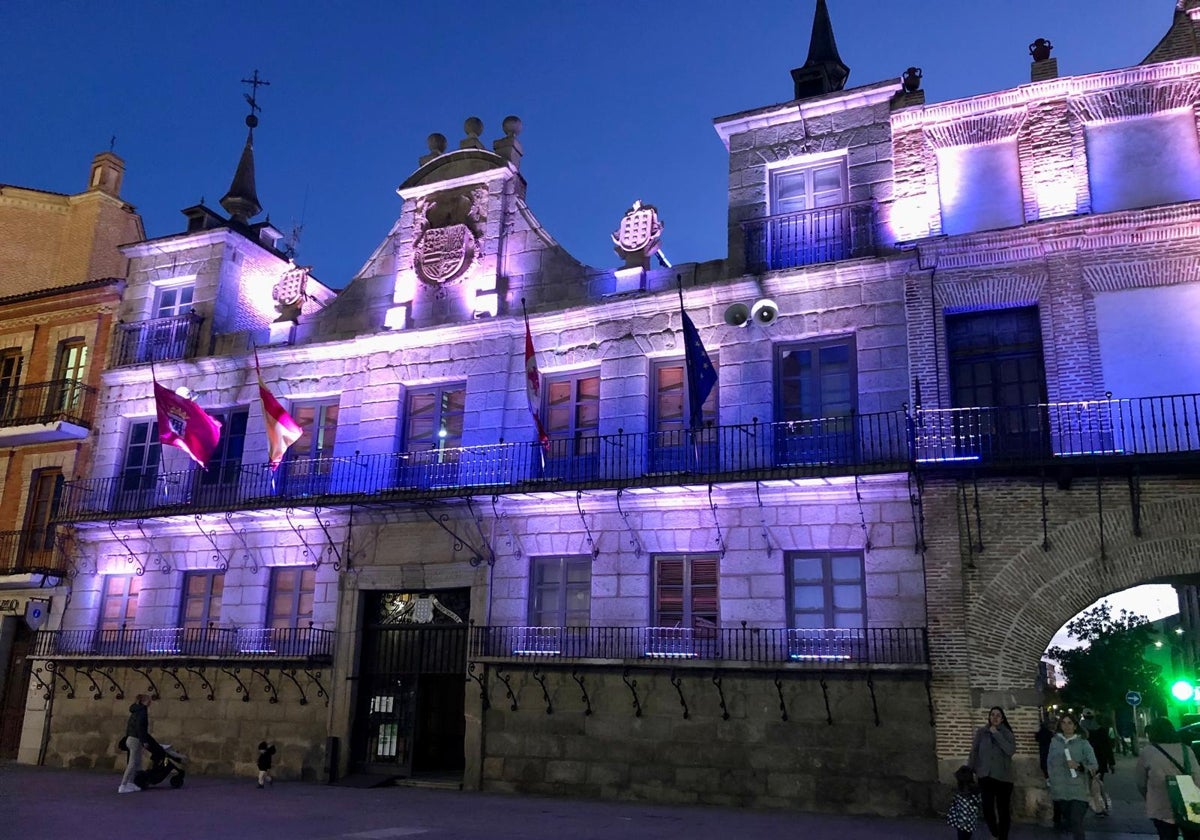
[139,470]
[118,601]
[560,592]
[998,378]
[171,301]
[291,598]
[810,219]
[433,429]
[685,621]
[219,483]
[817,394]
[828,589]
[808,187]
[11,362]
[201,599]
[309,464]
[45,493]
[70,376]
[571,417]
[673,447]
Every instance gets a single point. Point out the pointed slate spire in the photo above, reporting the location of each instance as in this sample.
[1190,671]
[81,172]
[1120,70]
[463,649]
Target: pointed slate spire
[823,72]
[241,202]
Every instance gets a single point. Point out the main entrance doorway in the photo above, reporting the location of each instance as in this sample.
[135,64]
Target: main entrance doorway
[409,720]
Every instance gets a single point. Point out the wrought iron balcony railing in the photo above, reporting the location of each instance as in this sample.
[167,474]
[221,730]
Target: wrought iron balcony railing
[34,552]
[857,444]
[158,340]
[820,647]
[1149,429]
[827,234]
[157,643]
[40,403]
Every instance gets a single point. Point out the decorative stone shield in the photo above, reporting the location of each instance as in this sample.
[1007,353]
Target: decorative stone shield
[442,255]
[639,234]
[291,288]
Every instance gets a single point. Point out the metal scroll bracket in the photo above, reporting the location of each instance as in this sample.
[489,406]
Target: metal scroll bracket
[634,542]
[106,673]
[716,521]
[331,549]
[481,680]
[587,530]
[270,687]
[155,557]
[222,562]
[541,680]
[874,703]
[490,556]
[57,671]
[503,520]
[46,687]
[315,677]
[241,686]
[173,673]
[240,533]
[678,683]
[862,516]
[290,673]
[199,672]
[145,674]
[721,693]
[783,712]
[86,673]
[587,701]
[825,694]
[508,692]
[440,520]
[632,685]
[762,518]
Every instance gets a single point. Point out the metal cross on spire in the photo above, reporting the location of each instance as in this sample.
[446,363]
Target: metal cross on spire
[252,98]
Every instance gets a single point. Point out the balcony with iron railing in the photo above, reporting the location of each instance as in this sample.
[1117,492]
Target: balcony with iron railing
[44,412]
[158,340]
[307,644]
[1148,430]
[648,646]
[827,234]
[34,552]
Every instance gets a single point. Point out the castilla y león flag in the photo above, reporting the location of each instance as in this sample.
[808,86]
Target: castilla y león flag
[533,388]
[282,430]
[185,425]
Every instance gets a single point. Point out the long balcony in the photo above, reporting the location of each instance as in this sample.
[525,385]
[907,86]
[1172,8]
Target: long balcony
[306,644]
[31,552]
[1150,430]
[827,234]
[158,340]
[647,646]
[45,412]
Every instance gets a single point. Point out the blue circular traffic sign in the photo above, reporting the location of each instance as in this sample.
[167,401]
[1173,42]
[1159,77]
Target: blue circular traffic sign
[1133,698]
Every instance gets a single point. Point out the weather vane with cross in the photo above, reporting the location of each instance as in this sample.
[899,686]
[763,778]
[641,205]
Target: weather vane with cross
[252,98]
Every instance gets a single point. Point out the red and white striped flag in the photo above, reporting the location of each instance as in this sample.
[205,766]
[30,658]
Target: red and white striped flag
[185,425]
[533,388]
[282,430]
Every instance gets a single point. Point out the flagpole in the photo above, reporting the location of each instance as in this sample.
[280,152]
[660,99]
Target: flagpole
[687,366]
[541,447]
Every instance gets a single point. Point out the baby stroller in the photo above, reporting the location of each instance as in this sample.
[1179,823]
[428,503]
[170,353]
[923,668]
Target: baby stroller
[164,762]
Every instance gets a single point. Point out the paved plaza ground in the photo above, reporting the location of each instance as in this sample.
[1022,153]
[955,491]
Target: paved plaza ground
[38,803]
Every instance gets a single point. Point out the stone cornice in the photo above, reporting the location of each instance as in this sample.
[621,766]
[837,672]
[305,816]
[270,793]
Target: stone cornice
[803,109]
[991,127]
[1136,101]
[1061,88]
[1115,277]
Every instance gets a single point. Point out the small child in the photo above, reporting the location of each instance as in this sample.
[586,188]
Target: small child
[264,763]
[964,810]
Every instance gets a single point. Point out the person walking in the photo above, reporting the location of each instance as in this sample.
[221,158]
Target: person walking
[991,759]
[1162,758]
[1045,734]
[1069,761]
[137,733]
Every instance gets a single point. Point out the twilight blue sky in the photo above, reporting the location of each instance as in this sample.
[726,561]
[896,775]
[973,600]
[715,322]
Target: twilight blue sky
[617,98]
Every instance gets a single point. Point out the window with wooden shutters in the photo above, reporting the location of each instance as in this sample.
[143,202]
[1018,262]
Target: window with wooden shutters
[202,592]
[685,591]
[70,372]
[292,591]
[11,361]
[118,601]
[45,492]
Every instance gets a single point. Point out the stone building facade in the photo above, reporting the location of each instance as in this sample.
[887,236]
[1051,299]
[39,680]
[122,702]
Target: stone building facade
[909,473]
[61,280]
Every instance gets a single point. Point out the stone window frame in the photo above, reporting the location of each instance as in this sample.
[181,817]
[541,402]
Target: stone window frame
[305,584]
[563,586]
[709,619]
[208,598]
[130,590]
[829,609]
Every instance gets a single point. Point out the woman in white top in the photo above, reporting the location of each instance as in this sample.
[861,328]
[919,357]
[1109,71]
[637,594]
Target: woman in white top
[1164,757]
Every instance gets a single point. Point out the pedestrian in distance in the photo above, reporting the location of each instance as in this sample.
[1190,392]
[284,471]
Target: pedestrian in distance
[1045,734]
[1100,737]
[964,810]
[1162,758]
[991,758]
[137,734]
[265,754]
[1069,761]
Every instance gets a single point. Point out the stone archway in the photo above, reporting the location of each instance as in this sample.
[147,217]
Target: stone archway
[992,612]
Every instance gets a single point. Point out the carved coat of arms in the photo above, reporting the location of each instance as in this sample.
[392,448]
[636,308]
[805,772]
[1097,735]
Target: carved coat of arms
[639,234]
[446,244]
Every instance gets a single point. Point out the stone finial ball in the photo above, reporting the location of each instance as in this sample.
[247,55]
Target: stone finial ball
[473,126]
[512,126]
[252,121]
[437,143]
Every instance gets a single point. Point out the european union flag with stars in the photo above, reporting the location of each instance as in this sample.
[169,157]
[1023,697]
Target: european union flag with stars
[701,375]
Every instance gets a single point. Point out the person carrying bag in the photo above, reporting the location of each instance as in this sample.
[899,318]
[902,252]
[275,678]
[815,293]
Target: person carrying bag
[1168,778]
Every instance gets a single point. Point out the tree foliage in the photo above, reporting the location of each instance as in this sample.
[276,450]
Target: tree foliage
[1111,663]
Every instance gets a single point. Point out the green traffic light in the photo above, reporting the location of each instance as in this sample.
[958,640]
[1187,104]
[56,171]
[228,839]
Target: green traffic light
[1183,690]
